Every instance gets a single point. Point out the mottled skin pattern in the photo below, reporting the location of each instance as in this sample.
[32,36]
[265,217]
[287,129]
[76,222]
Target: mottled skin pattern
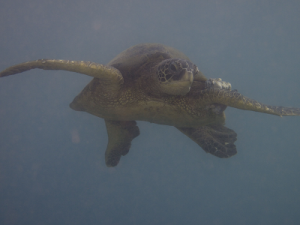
[140,98]
[159,84]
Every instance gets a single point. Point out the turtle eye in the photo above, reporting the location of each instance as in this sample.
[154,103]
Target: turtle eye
[173,67]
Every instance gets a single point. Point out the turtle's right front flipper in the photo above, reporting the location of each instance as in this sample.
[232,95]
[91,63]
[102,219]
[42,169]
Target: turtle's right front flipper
[120,135]
[108,75]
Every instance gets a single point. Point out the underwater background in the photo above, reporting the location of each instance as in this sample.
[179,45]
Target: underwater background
[52,168]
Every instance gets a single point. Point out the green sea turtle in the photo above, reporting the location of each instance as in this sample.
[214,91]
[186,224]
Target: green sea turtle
[159,84]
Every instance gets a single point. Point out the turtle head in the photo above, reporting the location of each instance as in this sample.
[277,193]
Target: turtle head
[176,76]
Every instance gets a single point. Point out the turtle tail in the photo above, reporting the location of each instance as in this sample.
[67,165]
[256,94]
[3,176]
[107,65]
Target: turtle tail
[237,100]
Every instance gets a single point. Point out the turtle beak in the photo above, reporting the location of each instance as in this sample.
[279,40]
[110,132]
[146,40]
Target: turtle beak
[179,86]
[188,76]
[186,82]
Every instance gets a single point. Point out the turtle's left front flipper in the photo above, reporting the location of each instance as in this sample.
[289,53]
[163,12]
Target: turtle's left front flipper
[214,139]
[120,135]
[235,99]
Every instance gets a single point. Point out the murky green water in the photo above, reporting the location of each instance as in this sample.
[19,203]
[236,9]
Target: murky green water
[52,168]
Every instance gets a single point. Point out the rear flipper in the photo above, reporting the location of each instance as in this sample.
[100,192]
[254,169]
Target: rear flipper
[120,135]
[214,139]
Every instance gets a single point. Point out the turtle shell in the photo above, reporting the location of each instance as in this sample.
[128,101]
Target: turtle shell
[144,56]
